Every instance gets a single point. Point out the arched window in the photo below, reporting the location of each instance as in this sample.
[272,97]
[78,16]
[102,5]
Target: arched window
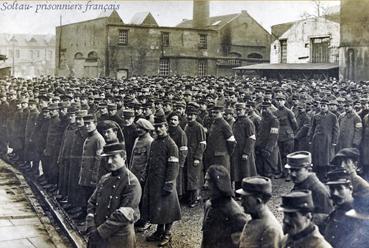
[235,54]
[255,56]
[92,55]
[78,56]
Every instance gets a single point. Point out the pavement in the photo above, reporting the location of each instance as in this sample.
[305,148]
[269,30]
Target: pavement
[23,223]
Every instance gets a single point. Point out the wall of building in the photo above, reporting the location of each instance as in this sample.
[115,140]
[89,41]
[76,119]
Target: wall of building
[354,49]
[299,40]
[82,38]
[144,49]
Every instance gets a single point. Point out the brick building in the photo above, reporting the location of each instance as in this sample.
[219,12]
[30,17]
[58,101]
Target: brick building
[354,47]
[106,46]
[29,55]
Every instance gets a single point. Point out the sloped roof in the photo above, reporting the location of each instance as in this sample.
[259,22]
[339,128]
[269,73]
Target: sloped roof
[27,39]
[112,16]
[279,29]
[143,18]
[215,22]
[292,66]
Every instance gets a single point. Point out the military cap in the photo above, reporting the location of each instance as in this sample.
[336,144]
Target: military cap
[105,125]
[32,101]
[53,106]
[89,118]
[45,110]
[338,176]
[280,96]
[73,109]
[43,98]
[218,107]
[180,104]
[297,201]
[66,97]
[128,113]
[266,103]
[256,184]
[333,102]
[103,105]
[352,153]
[112,106]
[298,160]
[159,119]
[240,105]
[63,105]
[324,101]
[220,177]
[360,205]
[144,124]
[188,93]
[81,113]
[113,148]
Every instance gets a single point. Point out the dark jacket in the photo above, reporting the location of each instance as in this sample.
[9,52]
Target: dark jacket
[223,222]
[308,238]
[160,200]
[113,209]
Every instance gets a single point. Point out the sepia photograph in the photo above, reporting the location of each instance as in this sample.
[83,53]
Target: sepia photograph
[184,124]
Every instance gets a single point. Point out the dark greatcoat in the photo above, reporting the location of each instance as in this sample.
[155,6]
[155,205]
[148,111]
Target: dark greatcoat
[222,219]
[160,200]
[4,108]
[65,156]
[323,133]
[196,138]
[130,135]
[309,238]
[30,148]
[350,131]
[301,137]
[244,133]
[75,191]
[364,147]
[218,149]
[338,225]
[179,137]
[113,209]
[18,131]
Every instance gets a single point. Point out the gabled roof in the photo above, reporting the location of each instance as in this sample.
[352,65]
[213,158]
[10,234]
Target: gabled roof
[144,18]
[279,29]
[27,39]
[112,16]
[215,22]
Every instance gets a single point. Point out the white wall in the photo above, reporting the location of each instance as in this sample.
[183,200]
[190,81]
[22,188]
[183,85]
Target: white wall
[299,40]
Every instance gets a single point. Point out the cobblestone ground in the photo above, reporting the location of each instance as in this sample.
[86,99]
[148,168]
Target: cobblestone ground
[187,232]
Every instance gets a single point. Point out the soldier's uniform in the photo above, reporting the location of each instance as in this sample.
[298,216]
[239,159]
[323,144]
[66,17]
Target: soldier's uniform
[350,131]
[303,126]
[113,207]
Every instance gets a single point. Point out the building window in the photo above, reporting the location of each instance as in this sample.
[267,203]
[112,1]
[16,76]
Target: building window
[203,67]
[165,39]
[123,37]
[255,56]
[203,41]
[37,53]
[17,53]
[164,67]
[283,51]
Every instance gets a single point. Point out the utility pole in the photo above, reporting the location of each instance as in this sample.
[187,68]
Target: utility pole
[13,64]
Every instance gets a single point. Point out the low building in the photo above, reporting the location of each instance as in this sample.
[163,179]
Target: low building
[29,55]
[106,46]
[312,40]
[4,69]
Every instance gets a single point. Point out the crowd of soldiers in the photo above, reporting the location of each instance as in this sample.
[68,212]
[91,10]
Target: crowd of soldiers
[125,153]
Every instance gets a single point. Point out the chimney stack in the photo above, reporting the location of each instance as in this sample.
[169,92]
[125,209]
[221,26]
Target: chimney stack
[200,13]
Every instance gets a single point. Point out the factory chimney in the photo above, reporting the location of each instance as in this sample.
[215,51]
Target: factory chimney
[200,13]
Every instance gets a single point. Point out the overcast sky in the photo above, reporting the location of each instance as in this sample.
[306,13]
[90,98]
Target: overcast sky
[166,13]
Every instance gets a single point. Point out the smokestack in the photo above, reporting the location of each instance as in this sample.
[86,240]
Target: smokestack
[200,13]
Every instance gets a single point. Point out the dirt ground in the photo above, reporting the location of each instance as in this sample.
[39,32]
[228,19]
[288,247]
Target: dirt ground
[187,232]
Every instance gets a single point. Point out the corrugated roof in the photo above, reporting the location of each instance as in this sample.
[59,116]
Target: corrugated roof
[215,22]
[300,66]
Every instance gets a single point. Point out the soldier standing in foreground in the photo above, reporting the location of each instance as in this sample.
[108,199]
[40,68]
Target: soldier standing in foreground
[113,207]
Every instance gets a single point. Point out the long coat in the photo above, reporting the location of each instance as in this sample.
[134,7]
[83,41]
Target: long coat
[311,239]
[140,156]
[113,209]
[160,200]
[196,142]
[130,135]
[30,148]
[65,156]
[219,148]
[350,131]
[364,147]
[75,191]
[301,136]
[263,232]
[179,137]
[244,133]
[322,134]
[90,164]
[223,219]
